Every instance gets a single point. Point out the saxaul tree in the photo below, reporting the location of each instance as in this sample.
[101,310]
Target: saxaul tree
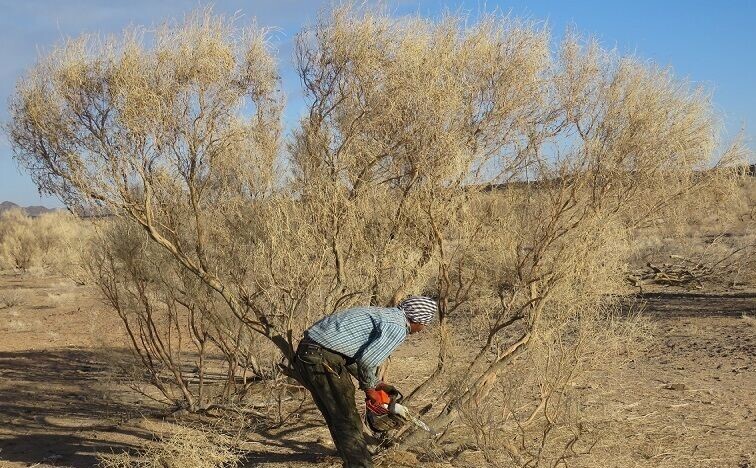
[471,161]
[501,176]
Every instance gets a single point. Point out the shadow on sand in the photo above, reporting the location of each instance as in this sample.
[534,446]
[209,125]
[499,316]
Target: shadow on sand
[59,407]
[56,408]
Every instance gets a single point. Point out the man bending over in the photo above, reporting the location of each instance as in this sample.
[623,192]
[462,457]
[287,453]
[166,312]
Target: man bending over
[355,341]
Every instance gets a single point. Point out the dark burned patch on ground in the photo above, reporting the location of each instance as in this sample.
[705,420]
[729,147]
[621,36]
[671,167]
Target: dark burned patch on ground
[698,304]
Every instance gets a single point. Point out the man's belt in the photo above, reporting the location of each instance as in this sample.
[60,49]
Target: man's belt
[309,343]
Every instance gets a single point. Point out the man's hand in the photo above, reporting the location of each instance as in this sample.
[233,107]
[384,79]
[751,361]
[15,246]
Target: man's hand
[375,398]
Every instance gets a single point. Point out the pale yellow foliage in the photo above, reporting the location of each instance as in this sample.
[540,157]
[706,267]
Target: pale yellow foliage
[52,242]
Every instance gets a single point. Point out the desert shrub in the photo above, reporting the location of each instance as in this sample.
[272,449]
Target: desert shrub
[10,299]
[65,238]
[52,242]
[469,161]
[19,246]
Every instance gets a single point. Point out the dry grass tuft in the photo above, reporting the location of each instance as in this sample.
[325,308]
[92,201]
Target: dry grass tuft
[181,448]
[10,299]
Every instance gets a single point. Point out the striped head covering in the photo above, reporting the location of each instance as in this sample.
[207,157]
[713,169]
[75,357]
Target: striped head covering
[419,309]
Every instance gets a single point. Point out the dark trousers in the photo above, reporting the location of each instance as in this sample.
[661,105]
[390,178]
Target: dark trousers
[325,375]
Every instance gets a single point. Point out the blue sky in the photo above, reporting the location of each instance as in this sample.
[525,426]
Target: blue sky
[710,43]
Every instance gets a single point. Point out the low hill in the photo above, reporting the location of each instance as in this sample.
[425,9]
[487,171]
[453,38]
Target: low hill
[30,210]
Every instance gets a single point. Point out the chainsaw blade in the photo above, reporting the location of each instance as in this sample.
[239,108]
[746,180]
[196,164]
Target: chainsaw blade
[404,412]
[421,424]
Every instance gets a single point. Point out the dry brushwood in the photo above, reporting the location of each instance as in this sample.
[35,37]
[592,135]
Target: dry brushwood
[688,273]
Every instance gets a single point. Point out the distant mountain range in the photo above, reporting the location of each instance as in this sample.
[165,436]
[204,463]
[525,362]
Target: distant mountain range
[30,210]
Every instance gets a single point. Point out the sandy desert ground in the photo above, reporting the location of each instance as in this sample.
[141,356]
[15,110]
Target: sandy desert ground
[688,400]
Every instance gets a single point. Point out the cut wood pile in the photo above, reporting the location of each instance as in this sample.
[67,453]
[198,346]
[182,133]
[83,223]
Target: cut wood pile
[685,273]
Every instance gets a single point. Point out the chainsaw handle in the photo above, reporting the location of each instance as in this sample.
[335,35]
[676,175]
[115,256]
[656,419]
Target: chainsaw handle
[395,397]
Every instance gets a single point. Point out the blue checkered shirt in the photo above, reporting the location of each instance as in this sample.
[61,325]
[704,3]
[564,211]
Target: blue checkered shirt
[367,335]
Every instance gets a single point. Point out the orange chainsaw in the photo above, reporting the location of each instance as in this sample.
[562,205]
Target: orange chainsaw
[394,415]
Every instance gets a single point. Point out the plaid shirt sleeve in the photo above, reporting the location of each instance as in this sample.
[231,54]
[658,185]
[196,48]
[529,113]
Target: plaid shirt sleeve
[370,356]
